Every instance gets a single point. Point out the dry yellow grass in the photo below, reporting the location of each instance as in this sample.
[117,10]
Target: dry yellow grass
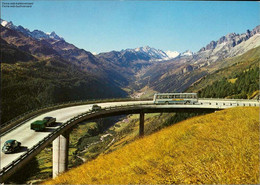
[233,80]
[255,94]
[221,147]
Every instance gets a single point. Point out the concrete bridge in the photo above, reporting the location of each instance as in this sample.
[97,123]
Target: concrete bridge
[70,116]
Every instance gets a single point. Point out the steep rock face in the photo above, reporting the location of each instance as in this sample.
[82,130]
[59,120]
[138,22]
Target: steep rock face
[228,46]
[254,31]
[187,68]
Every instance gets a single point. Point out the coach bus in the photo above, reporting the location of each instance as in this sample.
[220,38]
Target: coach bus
[175,98]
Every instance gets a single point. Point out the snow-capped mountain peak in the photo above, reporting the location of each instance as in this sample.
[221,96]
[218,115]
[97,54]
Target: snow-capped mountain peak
[7,24]
[37,34]
[172,54]
[53,35]
[151,52]
[187,53]
[154,54]
[3,22]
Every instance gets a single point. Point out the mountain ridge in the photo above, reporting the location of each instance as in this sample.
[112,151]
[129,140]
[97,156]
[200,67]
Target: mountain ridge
[212,52]
[37,34]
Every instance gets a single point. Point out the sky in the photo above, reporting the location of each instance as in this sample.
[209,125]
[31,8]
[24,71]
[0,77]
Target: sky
[102,26]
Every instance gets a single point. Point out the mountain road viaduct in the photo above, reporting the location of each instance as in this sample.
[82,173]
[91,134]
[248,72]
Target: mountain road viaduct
[68,117]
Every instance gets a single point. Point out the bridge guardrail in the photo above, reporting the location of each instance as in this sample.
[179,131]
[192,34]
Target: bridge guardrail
[224,99]
[25,155]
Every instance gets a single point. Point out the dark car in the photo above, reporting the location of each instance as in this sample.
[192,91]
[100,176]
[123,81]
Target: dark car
[50,120]
[11,146]
[95,107]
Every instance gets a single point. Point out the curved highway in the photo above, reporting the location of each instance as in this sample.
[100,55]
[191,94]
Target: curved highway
[29,137]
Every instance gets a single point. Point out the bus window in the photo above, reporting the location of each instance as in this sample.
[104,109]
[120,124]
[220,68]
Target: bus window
[177,96]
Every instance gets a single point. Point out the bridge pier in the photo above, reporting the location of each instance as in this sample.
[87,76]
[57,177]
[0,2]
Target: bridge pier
[141,124]
[60,150]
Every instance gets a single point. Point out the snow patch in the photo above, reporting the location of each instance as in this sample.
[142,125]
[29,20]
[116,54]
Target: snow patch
[153,53]
[172,54]
[187,53]
[4,23]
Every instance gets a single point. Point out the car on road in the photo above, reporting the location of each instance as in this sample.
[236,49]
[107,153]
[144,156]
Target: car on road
[95,107]
[11,146]
[50,120]
[40,125]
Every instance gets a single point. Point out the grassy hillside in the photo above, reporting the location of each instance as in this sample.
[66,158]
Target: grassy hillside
[221,147]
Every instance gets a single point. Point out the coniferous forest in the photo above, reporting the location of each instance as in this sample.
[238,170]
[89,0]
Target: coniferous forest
[241,86]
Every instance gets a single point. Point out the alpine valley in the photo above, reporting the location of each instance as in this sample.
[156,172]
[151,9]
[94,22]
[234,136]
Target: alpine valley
[40,68]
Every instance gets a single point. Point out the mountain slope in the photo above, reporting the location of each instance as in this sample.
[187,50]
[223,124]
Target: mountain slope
[203,150]
[44,45]
[34,73]
[229,67]
[11,54]
[234,86]
[39,48]
[30,85]
[178,74]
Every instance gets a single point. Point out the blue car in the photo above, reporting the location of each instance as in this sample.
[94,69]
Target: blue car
[11,146]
